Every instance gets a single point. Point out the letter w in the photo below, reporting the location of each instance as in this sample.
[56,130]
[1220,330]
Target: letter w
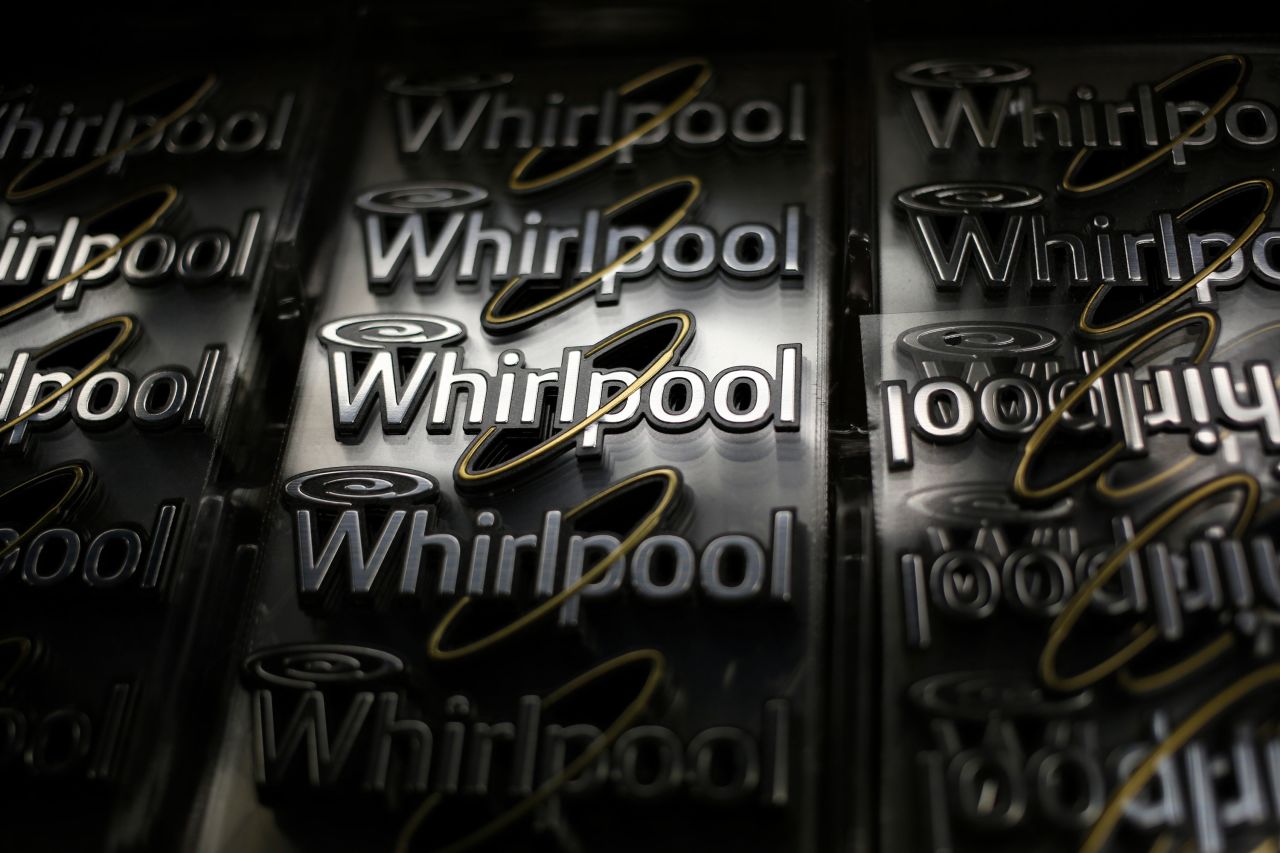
[456,132]
[379,381]
[312,572]
[950,266]
[986,129]
[385,258]
[273,754]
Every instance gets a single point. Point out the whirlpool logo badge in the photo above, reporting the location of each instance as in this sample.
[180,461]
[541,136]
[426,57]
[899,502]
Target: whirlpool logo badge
[407,367]
[998,235]
[375,525]
[416,229]
[966,388]
[171,118]
[75,379]
[339,716]
[1192,107]
[647,110]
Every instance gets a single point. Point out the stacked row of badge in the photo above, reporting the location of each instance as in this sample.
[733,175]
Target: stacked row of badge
[1072,404]
[140,217]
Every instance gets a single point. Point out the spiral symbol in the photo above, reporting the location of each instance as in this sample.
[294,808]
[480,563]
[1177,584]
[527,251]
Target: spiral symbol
[356,485]
[958,73]
[309,666]
[969,197]
[969,339]
[414,196]
[387,331]
[402,85]
[978,695]
[973,503]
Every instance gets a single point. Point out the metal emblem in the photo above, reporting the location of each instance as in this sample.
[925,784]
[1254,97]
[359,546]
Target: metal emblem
[1071,412]
[140,207]
[1073,535]
[562,358]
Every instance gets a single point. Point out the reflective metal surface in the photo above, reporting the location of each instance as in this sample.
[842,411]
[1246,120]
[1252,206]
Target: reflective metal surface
[650,424]
[553,421]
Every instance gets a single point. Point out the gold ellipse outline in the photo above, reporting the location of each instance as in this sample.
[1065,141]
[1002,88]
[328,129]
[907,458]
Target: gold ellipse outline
[1151,682]
[657,669]
[465,477]
[1178,738]
[1122,493]
[516,183]
[1020,487]
[495,324]
[162,124]
[170,192]
[1103,485]
[647,524]
[82,474]
[24,656]
[1064,623]
[1068,185]
[113,349]
[1084,325]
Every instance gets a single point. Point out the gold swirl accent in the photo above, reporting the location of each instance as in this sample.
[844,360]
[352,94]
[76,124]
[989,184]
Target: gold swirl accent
[168,196]
[1178,738]
[1143,636]
[668,478]
[1021,486]
[16,192]
[496,323]
[657,666]
[518,183]
[1085,325]
[124,335]
[1077,163]
[467,475]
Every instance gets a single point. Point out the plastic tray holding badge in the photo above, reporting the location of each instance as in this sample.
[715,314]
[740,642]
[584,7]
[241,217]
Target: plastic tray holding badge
[121,583]
[1028,173]
[709,655]
[1014,178]
[1011,719]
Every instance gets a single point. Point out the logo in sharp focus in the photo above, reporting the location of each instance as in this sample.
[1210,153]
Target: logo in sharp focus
[407,367]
